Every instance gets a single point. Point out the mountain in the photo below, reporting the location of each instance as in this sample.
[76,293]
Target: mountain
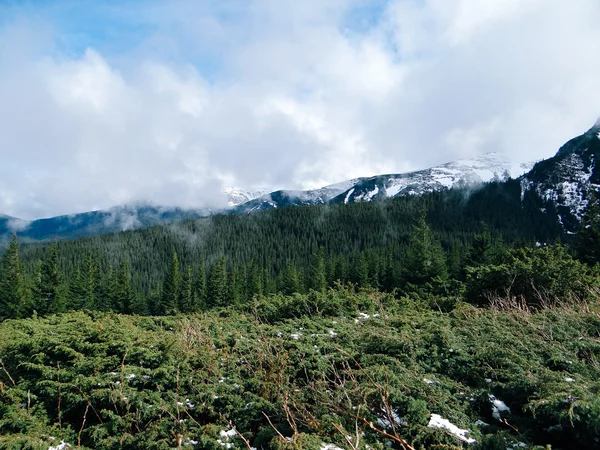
[461,173]
[568,180]
[119,218]
[115,219]
[237,196]
[563,183]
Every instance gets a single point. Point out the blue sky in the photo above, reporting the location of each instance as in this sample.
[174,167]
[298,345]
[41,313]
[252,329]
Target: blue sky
[112,102]
[117,28]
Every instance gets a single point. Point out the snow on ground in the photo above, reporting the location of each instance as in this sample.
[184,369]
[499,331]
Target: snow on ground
[348,195]
[62,446]
[498,407]
[325,446]
[438,421]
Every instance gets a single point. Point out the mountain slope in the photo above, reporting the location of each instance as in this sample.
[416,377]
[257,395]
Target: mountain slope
[568,179]
[461,173]
[119,218]
[115,219]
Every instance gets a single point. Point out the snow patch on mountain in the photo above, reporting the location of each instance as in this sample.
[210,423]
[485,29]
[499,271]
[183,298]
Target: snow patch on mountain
[460,173]
[237,196]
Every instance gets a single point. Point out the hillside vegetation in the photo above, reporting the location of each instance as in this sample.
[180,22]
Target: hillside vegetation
[354,369]
[423,327]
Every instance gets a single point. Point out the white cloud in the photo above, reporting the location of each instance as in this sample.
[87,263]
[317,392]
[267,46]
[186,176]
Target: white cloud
[288,95]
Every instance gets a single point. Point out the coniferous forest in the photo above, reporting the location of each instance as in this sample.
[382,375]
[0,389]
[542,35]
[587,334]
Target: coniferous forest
[461,318]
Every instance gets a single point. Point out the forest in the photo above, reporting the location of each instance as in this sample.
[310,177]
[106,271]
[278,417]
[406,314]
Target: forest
[462,318]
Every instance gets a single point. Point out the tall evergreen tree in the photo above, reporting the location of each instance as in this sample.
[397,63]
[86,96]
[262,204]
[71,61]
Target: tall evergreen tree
[480,248]
[91,281]
[77,291]
[12,298]
[128,301]
[425,256]
[48,298]
[587,242]
[290,282]
[316,273]
[170,289]
[200,286]
[186,292]
[217,283]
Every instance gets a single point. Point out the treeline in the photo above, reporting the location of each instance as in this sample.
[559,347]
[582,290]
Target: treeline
[393,245]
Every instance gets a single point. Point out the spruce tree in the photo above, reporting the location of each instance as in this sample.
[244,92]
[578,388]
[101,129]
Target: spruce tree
[12,298]
[170,289]
[91,280]
[77,291]
[217,283]
[587,242]
[127,300]
[424,258]
[290,282]
[316,273]
[200,287]
[186,292]
[48,298]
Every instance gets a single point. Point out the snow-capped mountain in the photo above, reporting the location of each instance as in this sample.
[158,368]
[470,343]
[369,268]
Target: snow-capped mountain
[237,196]
[461,173]
[568,180]
[562,185]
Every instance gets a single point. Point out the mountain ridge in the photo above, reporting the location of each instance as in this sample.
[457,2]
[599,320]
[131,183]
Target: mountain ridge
[565,181]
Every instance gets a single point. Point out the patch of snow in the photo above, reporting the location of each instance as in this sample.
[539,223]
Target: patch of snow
[498,407]
[63,445]
[569,380]
[295,336]
[439,422]
[428,381]
[348,196]
[131,376]
[325,446]
[373,193]
[227,433]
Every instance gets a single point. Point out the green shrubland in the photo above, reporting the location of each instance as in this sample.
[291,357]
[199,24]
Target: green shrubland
[355,369]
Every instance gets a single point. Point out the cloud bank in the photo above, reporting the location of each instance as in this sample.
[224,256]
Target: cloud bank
[177,101]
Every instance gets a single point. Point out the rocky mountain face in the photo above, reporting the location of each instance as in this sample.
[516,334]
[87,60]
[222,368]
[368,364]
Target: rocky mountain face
[461,173]
[238,196]
[569,179]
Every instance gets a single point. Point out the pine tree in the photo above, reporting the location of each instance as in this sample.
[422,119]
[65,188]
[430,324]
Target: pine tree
[359,271]
[290,283]
[425,257]
[12,298]
[200,287]
[587,242]
[233,288]
[127,300]
[48,298]
[316,273]
[480,248]
[90,282]
[170,289]
[186,292]
[217,283]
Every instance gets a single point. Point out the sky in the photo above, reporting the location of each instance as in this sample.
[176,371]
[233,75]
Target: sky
[168,102]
